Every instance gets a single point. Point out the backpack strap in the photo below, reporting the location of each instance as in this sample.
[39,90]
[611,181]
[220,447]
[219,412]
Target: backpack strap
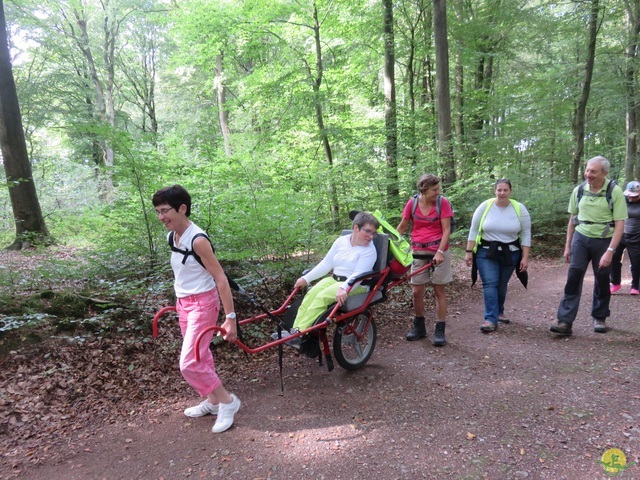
[612,183]
[580,192]
[186,253]
[414,207]
[608,196]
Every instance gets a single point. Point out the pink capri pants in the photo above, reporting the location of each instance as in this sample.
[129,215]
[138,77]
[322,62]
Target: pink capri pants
[196,312]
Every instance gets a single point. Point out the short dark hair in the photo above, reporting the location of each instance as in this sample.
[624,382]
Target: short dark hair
[362,218]
[175,196]
[427,181]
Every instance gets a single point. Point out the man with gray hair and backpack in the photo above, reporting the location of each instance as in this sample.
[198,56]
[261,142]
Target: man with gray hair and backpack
[431,217]
[598,211]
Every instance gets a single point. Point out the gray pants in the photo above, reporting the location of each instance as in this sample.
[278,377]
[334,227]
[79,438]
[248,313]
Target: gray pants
[585,250]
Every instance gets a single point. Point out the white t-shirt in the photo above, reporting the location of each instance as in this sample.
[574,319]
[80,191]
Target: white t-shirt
[191,278]
[502,224]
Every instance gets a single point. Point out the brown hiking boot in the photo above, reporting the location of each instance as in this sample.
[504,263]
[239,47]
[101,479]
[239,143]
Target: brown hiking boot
[561,328]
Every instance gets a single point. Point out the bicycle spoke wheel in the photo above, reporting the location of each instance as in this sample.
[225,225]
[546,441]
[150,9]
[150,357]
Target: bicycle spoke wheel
[353,343]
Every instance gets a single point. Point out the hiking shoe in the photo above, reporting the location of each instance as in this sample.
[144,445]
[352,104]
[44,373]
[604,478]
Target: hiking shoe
[615,288]
[418,330]
[226,411]
[294,342]
[488,326]
[634,291]
[599,326]
[204,408]
[503,319]
[438,336]
[284,334]
[561,328]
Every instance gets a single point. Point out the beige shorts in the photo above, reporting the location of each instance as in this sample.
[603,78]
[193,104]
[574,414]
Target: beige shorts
[440,275]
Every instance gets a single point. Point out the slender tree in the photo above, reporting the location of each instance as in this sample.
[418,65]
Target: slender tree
[390,111]
[412,16]
[223,111]
[139,64]
[77,27]
[22,191]
[443,99]
[632,167]
[315,77]
[578,124]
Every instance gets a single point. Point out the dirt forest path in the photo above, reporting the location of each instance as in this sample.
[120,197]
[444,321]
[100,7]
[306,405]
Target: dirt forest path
[518,403]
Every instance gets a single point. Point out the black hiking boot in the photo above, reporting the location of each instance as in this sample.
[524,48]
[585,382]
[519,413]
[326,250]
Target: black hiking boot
[418,331]
[438,336]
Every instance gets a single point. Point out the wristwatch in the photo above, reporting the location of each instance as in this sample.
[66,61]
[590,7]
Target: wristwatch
[231,315]
[611,249]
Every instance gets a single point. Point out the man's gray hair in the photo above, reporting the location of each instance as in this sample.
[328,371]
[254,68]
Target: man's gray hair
[604,163]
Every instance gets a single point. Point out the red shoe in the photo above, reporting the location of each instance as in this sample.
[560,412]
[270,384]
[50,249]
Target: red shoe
[634,291]
[615,288]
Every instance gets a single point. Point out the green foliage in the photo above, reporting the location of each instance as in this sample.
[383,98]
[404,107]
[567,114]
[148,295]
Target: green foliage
[268,197]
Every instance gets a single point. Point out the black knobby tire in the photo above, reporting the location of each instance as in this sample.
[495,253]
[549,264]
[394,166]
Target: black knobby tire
[354,341]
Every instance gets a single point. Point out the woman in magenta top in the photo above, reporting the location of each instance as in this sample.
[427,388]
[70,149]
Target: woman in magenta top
[431,228]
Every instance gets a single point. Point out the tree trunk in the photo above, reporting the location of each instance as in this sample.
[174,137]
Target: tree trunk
[428,89]
[22,191]
[390,118]
[144,84]
[316,82]
[411,78]
[150,98]
[632,168]
[104,93]
[110,30]
[578,124]
[459,99]
[443,98]
[223,113]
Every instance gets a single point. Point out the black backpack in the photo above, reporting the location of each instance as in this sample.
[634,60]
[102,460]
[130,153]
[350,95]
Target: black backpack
[608,195]
[612,183]
[188,252]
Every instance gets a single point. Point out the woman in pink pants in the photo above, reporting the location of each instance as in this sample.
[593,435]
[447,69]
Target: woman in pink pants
[199,283]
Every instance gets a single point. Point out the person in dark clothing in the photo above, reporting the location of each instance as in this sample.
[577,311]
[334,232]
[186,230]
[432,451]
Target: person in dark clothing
[630,242]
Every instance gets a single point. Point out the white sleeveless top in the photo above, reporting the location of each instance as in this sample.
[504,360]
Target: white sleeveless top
[190,278]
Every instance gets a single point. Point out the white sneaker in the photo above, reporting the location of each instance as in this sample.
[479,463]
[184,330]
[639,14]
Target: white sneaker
[225,415]
[204,408]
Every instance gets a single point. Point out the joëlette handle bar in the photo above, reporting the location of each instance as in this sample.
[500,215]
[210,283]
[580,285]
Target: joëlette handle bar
[279,311]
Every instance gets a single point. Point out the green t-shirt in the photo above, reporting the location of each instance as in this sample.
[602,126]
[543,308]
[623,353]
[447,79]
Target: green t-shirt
[595,208]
